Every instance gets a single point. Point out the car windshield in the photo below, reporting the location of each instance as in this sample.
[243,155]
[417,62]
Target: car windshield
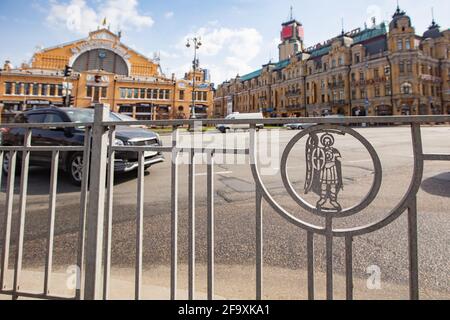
[87,116]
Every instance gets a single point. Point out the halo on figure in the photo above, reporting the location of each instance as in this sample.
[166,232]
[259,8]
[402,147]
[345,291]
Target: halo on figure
[327,140]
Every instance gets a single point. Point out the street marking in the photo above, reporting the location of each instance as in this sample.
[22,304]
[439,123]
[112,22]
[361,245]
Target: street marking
[220,172]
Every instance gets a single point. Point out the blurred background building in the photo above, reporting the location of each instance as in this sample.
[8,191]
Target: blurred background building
[103,69]
[379,70]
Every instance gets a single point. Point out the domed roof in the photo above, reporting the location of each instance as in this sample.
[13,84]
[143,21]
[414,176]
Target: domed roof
[433,31]
[397,16]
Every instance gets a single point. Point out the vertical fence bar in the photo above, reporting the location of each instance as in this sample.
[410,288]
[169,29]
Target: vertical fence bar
[191,251]
[83,209]
[22,211]
[109,214]
[329,257]
[139,226]
[8,217]
[96,207]
[310,261]
[1,161]
[210,231]
[259,246]
[413,251]
[349,267]
[174,218]
[51,221]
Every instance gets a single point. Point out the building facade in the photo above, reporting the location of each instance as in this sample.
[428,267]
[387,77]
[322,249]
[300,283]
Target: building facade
[377,71]
[105,70]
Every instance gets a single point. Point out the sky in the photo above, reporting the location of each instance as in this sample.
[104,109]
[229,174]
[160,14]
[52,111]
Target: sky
[238,35]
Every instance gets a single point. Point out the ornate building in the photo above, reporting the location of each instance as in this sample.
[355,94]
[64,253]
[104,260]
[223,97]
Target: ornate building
[379,70]
[106,70]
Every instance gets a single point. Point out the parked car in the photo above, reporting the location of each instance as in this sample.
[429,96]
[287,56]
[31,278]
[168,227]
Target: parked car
[241,116]
[299,126]
[71,162]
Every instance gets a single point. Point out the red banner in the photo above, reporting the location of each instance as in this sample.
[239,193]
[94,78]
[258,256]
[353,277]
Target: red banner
[301,32]
[287,32]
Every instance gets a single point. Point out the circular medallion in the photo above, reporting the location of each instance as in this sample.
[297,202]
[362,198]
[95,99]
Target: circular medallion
[324,174]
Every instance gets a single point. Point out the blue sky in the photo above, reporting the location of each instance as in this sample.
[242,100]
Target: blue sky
[238,35]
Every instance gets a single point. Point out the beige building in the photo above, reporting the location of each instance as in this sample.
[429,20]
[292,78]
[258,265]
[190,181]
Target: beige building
[106,70]
[379,70]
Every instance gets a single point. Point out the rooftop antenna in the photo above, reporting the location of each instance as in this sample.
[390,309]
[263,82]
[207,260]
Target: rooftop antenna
[432,16]
[342,24]
[292,13]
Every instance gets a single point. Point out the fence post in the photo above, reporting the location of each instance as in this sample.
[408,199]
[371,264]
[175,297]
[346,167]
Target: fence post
[96,206]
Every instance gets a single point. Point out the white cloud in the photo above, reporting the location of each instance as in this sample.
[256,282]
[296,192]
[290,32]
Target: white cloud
[169,15]
[225,51]
[77,16]
[168,55]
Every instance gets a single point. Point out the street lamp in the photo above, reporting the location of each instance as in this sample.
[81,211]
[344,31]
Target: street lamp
[197,43]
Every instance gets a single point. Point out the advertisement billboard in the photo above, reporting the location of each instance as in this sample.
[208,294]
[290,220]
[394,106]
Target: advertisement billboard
[287,32]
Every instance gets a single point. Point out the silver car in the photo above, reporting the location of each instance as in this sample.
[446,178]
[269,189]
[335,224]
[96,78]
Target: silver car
[299,126]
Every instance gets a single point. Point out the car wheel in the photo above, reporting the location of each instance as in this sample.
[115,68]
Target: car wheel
[6,161]
[75,168]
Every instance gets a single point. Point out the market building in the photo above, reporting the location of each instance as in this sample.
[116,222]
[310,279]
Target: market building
[384,69]
[105,70]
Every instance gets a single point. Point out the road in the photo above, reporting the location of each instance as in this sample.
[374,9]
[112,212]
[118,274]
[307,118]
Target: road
[284,244]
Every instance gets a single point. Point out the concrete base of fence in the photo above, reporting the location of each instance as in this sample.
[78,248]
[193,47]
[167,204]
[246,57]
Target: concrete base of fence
[232,282]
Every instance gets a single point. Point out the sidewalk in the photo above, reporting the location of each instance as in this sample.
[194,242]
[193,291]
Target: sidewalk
[232,283]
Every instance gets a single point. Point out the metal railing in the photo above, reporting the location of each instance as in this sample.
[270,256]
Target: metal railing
[25,151]
[96,204]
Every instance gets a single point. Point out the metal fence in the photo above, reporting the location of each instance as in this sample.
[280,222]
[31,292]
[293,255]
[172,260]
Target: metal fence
[323,178]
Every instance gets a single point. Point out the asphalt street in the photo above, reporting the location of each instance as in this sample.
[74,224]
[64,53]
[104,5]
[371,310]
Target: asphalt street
[284,243]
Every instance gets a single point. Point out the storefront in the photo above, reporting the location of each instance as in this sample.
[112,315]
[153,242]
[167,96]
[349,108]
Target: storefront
[384,111]
[36,104]
[10,109]
[423,110]
[144,111]
[405,110]
[436,109]
[359,112]
[201,111]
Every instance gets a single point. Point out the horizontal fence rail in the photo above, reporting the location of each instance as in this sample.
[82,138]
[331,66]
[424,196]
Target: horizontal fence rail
[97,209]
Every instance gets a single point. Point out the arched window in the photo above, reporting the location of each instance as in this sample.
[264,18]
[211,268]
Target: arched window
[406,88]
[101,59]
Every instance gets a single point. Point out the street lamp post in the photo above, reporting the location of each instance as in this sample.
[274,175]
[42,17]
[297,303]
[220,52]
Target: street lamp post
[197,43]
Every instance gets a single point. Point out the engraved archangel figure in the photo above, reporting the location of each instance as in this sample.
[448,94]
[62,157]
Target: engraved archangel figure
[324,171]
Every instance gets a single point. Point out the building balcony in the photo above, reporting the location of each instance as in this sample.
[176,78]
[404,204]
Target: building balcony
[293,93]
[336,85]
[294,107]
[338,103]
[430,78]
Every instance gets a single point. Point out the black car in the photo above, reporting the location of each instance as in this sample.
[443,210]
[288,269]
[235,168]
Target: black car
[72,162]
